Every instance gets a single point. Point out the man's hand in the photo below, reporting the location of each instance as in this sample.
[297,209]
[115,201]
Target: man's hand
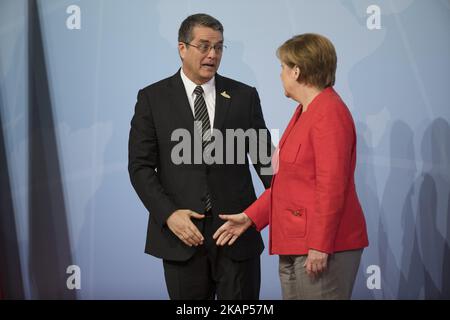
[316,262]
[236,225]
[181,225]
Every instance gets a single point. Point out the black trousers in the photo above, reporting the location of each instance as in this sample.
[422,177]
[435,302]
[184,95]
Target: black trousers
[211,274]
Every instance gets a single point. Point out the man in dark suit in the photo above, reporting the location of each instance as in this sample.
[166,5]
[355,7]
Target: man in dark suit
[184,195]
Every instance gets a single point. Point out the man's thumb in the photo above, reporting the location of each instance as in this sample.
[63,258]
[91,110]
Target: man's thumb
[197,215]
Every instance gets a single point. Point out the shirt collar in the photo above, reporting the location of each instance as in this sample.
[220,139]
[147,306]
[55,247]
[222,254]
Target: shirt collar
[208,87]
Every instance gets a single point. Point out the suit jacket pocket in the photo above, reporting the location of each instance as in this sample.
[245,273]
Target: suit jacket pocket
[289,153]
[294,222]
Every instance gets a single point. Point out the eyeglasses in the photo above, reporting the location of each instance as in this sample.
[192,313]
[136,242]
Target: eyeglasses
[205,48]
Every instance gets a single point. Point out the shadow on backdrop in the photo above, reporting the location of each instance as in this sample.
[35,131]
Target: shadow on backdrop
[387,261]
[49,247]
[411,265]
[405,277]
[433,209]
[11,284]
[366,184]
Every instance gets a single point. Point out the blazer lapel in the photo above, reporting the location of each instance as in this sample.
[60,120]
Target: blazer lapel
[303,123]
[289,128]
[223,100]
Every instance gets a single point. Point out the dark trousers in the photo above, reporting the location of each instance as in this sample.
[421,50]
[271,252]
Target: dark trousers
[211,274]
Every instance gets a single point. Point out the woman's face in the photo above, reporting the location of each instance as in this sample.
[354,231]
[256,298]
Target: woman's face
[288,78]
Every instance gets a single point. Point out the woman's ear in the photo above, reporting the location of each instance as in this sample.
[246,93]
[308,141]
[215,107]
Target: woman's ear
[296,71]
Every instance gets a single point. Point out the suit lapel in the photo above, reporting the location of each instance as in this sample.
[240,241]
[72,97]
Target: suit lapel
[180,102]
[223,100]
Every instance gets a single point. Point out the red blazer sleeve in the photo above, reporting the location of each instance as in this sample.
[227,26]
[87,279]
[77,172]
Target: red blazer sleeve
[333,141]
[259,211]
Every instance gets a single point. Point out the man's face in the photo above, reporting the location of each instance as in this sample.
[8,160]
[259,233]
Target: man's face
[200,66]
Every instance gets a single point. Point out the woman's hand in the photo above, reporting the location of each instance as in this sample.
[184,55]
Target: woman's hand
[316,262]
[235,226]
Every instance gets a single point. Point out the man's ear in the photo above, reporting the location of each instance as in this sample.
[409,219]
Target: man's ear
[182,49]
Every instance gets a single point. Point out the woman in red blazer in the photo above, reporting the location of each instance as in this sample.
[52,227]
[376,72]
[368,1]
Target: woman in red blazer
[317,226]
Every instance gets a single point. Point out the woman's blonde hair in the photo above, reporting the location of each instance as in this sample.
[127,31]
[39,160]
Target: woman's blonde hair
[314,55]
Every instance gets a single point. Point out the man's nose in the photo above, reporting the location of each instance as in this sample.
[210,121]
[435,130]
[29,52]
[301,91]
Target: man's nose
[212,52]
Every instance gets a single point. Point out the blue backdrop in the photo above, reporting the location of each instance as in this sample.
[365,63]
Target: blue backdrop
[69,76]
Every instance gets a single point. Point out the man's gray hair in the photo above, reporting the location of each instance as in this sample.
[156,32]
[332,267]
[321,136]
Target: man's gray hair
[185,33]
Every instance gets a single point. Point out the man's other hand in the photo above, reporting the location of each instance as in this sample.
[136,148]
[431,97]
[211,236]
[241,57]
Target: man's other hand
[181,225]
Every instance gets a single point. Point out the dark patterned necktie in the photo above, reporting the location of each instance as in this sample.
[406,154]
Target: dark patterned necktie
[204,126]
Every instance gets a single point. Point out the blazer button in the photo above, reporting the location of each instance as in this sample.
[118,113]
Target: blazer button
[296,213]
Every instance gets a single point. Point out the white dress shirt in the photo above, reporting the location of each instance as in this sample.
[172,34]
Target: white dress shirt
[209,94]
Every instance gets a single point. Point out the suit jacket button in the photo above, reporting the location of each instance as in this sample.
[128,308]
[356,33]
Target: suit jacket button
[296,213]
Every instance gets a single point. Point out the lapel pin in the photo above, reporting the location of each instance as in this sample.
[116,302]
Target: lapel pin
[225,95]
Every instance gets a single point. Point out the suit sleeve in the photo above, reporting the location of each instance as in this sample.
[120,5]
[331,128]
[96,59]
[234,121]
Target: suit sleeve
[261,161]
[143,162]
[259,211]
[333,142]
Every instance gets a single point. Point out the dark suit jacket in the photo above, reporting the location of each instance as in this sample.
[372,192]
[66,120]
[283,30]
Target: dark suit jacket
[164,187]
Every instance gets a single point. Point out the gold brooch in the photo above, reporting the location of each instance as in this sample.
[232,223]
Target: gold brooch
[225,95]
